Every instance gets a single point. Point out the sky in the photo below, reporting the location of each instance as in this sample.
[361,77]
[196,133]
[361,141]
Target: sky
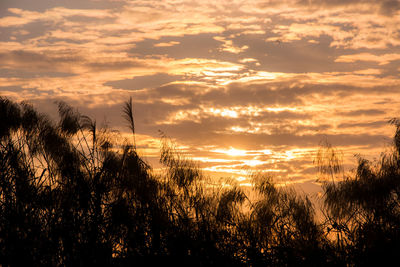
[238,86]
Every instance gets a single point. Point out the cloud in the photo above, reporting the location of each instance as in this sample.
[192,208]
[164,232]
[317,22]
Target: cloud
[385,7]
[373,124]
[362,112]
[228,46]
[389,7]
[22,17]
[246,60]
[28,60]
[140,82]
[116,64]
[380,59]
[205,136]
[30,73]
[256,75]
[168,44]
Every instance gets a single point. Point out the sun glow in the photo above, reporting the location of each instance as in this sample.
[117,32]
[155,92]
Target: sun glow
[241,178]
[224,112]
[231,152]
[253,162]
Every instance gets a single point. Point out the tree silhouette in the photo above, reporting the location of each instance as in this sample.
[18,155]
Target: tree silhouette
[364,210]
[73,194]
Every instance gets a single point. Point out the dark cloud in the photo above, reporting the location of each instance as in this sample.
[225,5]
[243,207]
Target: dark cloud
[313,128]
[237,94]
[27,60]
[31,73]
[266,116]
[386,7]
[283,93]
[390,7]
[298,56]
[140,82]
[30,30]
[43,5]
[11,89]
[362,112]
[332,2]
[201,45]
[374,124]
[384,101]
[199,134]
[116,65]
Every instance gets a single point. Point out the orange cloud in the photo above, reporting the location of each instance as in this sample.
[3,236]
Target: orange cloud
[380,59]
[262,81]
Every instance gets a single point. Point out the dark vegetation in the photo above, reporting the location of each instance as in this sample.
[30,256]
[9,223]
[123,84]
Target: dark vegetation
[71,195]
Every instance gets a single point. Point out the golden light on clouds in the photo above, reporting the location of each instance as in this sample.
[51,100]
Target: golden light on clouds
[242,86]
[231,152]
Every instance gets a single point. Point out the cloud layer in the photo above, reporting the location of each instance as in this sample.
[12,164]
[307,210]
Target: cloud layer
[239,85]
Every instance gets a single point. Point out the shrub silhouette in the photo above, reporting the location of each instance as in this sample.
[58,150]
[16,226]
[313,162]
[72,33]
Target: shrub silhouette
[364,210]
[74,194]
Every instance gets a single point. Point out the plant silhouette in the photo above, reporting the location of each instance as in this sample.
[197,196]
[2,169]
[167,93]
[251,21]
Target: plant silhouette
[73,194]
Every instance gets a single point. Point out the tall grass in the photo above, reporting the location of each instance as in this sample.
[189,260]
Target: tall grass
[69,195]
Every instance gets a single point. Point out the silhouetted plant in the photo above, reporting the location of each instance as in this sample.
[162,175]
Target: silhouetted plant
[72,193]
[128,115]
[364,210]
[280,228]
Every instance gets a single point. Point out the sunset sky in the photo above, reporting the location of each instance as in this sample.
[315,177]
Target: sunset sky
[239,86]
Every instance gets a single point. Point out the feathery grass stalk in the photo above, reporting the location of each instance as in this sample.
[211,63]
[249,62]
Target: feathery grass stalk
[128,115]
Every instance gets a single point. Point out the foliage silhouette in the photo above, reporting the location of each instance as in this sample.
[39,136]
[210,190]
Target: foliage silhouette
[74,194]
[364,210]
